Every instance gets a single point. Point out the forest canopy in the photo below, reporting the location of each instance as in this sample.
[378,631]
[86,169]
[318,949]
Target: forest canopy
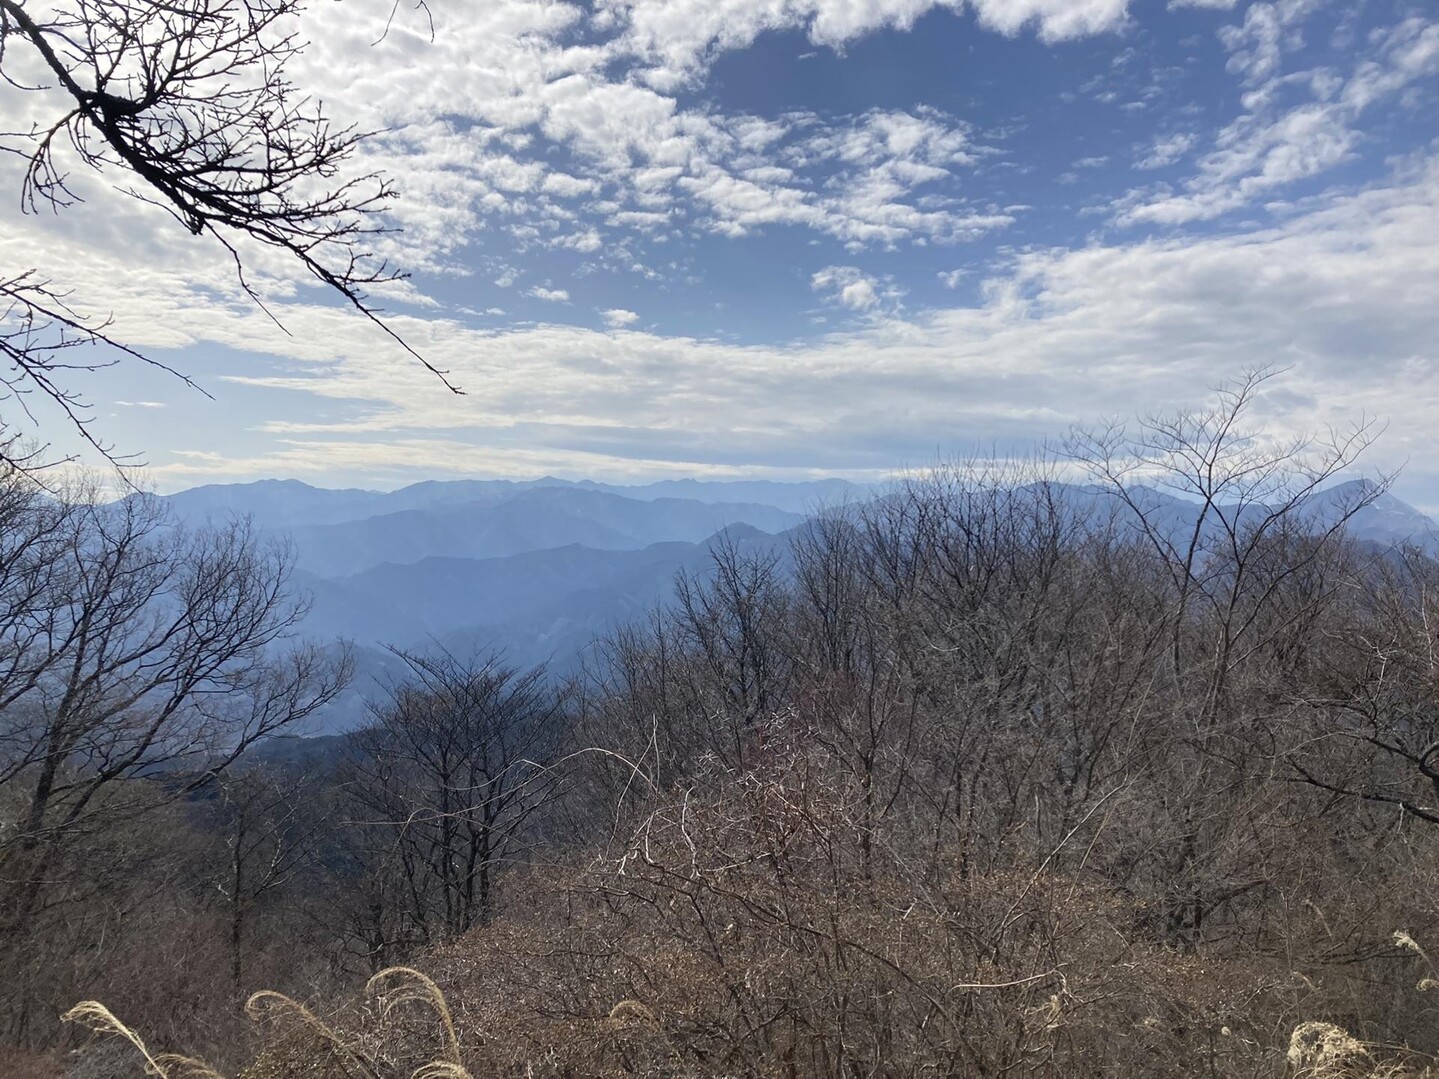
[973,778]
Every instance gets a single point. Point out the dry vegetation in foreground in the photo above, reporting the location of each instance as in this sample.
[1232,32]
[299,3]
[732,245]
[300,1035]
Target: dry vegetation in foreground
[761,930]
[751,935]
[970,781]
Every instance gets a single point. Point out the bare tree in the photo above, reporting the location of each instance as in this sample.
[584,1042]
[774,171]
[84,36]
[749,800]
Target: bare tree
[190,101]
[452,770]
[1370,725]
[1249,493]
[691,686]
[1253,552]
[731,619]
[133,650]
[270,833]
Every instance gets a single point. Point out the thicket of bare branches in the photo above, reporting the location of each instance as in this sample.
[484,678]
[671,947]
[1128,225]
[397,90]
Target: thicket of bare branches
[986,777]
[442,786]
[137,660]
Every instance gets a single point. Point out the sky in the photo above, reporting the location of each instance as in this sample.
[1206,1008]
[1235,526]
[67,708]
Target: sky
[797,238]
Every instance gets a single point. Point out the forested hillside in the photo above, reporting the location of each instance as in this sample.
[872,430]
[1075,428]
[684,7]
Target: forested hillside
[1121,763]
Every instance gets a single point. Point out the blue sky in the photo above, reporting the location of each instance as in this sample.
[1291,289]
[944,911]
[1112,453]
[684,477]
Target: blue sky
[808,237]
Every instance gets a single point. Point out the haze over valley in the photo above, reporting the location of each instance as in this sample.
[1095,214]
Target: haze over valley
[541,570]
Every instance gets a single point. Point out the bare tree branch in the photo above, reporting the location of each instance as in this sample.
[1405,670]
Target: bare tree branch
[191,101]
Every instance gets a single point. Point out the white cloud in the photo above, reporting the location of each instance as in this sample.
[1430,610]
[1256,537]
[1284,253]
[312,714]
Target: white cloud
[860,295]
[882,158]
[585,241]
[918,146]
[617,317]
[500,75]
[677,38]
[1166,150]
[853,179]
[1270,145]
[461,104]
[567,186]
[1269,30]
[1254,156]
[952,278]
[1055,20]
[470,112]
[1409,52]
[1342,292]
[851,287]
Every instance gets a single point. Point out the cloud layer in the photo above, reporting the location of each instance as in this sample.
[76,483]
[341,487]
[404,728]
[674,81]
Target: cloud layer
[921,274]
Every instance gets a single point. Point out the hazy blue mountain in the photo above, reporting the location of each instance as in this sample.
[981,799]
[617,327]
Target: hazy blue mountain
[529,520]
[558,627]
[376,670]
[540,569]
[286,504]
[536,607]
[530,594]
[804,497]
[1386,520]
[275,504]
[354,614]
[444,594]
[290,504]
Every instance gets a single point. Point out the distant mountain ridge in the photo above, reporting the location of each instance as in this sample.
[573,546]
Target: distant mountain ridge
[292,503]
[540,569]
[537,607]
[438,557]
[529,592]
[527,520]
[1373,516]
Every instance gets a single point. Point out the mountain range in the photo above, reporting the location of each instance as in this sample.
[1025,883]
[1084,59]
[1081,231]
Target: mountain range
[541,568]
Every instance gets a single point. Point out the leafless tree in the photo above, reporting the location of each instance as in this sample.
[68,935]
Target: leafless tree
[731,619]
[1370,726]
[449,775]
[1250,493]
[1252,556]
[690,687]
[191,102]
[270,833]
[136,658]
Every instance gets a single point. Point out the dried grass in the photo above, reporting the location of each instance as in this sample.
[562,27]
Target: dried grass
[303,1044]
[100,1020]
[760,931]
[398,986]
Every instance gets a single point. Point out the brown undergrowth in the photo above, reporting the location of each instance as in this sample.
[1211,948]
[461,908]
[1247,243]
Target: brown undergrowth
[762,929]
